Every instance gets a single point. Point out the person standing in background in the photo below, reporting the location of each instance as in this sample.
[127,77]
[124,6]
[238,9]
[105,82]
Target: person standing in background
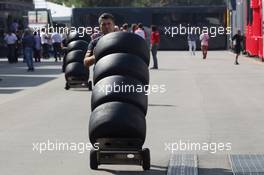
[50,44]
[204,37]
[237,38]
[14,26]
[28,43]
[125,27]
[44,43]
[17,46]
[11,40]
[154,41]
[56,43]
[117,29]
[134,28]
[140,32]
[192,43]
[37,47]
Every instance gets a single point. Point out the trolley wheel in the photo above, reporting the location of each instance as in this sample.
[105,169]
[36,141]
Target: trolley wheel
[145,159]
[67,87]
[93,160]
[90,85]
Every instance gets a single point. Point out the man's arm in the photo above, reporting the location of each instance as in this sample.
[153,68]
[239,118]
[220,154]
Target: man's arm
[89,59]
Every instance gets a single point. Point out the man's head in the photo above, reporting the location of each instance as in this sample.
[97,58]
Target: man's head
[154,28]
[116,28]
[239,32]
[106,22]
[134,27]
[43,30]
[27,32]
[140,25]
[125,26]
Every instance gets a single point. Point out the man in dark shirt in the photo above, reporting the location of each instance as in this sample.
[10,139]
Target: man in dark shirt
[237,38]
[28,43]
[107,25]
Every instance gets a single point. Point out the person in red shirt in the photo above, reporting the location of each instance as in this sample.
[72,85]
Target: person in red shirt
[154,41]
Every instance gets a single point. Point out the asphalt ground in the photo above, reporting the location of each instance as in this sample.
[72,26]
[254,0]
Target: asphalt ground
[208,101]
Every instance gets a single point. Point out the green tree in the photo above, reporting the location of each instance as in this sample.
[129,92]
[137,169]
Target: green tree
[136,3]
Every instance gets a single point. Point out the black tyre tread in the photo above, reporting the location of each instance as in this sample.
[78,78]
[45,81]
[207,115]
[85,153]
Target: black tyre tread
[138,98]
[74,36]
[121,64]
[122,42]
[67,87]
[76,70]
[146,159]
[117,120]
[75,56]
[77,45]
[93,160]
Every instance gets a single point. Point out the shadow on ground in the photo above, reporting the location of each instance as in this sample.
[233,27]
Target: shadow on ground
[22,81]
[9,91]
[17,78]
[160,105]
[168,70]
[214,171]
[43,68]
[154,170]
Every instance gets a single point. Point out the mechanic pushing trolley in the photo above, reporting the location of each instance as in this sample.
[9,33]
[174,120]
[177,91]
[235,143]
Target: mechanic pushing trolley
[117,123]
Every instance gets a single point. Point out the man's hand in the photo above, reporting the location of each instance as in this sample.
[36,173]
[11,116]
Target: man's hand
[89,61]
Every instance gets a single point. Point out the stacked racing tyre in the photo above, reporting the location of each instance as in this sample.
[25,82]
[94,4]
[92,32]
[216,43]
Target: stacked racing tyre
[119,102]
[74,36]
[76,74]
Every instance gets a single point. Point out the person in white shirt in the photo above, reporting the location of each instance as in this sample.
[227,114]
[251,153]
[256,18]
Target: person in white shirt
[37,47]
[56,43]
[140,31]
[204,38]
[192,43]
[45,43]
[11,40]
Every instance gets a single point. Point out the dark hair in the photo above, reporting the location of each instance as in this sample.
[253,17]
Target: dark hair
[125,26]
[27,32]
[140,25]
[134,27]
[105,16]
[154,28]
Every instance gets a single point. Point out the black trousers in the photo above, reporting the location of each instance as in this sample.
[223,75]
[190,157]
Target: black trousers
[11,53]
[45,52]
[57,50]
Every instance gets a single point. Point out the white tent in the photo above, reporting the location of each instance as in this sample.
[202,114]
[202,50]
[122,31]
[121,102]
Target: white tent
[40,4]
[59,12]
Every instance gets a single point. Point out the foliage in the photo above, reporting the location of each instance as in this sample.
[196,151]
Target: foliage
[136,3]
